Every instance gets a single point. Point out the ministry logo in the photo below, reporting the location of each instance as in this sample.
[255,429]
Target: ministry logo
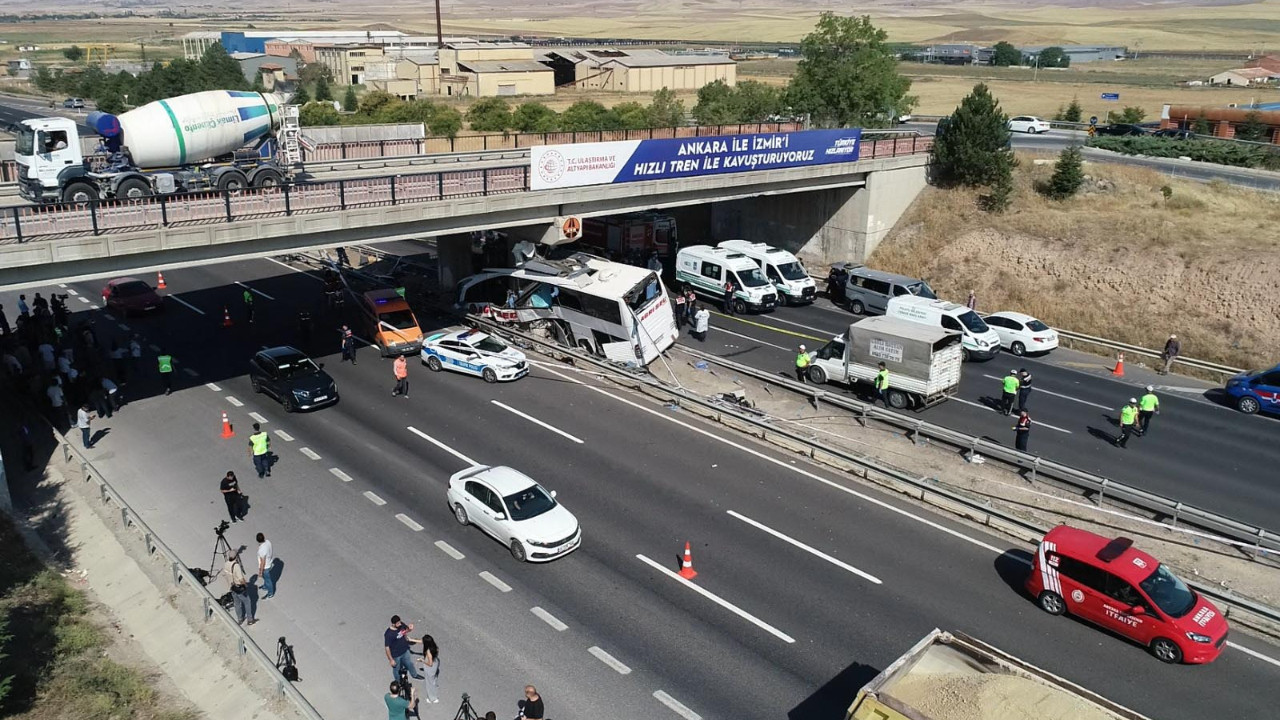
[551,166]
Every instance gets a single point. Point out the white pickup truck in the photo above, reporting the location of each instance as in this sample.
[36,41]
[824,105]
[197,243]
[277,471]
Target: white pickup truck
[923,362]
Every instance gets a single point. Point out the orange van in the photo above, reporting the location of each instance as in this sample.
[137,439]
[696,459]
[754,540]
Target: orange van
[390,323]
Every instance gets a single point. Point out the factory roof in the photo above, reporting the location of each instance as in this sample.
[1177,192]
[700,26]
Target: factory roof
[502,66]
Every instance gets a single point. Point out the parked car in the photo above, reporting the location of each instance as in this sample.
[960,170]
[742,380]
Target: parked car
[1121,129]
[1175,134]
[1021,334]
[288,375]
[867,291]
[73,103]
[516,511]
[1028,124]
[1257,390]
[130,295]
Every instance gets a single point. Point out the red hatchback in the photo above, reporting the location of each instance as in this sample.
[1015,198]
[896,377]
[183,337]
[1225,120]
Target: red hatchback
[130,295]
[1115,585]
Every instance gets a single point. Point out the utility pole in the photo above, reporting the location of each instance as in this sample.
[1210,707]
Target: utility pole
[439,29]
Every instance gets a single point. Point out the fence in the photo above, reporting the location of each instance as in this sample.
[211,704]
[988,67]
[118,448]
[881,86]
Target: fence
[26,223]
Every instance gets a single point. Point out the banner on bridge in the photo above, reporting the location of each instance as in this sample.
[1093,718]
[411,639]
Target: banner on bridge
[604,163]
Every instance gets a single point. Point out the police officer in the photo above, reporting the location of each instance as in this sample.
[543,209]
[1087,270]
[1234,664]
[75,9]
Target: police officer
[248,305]
[882,384]
[1024,388]
[348,345]
[1128,420]
[164,363]
[1022,430]
[802,364]
[1148,405]
[1010,386]
[260,449]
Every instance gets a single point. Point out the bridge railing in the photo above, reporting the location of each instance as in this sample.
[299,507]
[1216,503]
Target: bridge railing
[26,223]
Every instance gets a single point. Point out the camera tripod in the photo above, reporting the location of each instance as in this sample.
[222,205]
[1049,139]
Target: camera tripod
[465,711]
[220,548]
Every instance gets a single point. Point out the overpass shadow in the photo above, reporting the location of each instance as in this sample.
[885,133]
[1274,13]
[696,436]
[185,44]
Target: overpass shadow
[832,700]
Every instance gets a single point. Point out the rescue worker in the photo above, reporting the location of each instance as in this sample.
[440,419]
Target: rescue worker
[348,345]
[248,305]
[882,384]
[802,364]
[1022,430]
[1010,386]
[164,363]
[401,370]
[701,323]
[1024,388]
[260,450]
[1128,420]
[1148,405]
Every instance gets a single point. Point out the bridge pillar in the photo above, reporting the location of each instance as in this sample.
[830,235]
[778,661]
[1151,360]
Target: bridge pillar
[454,261]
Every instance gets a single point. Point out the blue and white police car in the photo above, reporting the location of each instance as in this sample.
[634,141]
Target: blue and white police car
[470,351]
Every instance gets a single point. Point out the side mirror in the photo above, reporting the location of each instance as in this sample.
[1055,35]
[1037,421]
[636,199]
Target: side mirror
[553,493]
[501,516]
[1137,610]
[321,366]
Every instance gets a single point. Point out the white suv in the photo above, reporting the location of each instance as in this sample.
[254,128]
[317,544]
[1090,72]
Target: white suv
[1028,124]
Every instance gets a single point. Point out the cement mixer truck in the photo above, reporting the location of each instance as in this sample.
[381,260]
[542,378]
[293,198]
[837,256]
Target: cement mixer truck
[212,140]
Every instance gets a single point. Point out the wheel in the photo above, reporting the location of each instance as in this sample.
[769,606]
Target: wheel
[133,188]
[517,551]
[1018,349]
[433,364]
[898,400]
[817,375]
[460,515]
[739,307]
[232,181]
[489,375]
[290,405]
[256,384]
[1166,651]
[1052,603]
[1248,405]
[267,179]
[964,355]
[857,308]
[79,192]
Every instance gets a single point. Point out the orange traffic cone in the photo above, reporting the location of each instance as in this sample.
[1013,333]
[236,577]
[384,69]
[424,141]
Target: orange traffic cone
[1118,371]
[686,566]
[226,317]
[227,431]
[160,281]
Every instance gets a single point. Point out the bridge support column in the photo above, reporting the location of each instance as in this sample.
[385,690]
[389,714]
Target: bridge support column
[455,260]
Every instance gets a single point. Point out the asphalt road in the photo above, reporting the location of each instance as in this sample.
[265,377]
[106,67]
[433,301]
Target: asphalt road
[1198,451]
[13,112]
[356,511]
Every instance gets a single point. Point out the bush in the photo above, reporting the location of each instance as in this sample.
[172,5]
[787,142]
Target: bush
[1220,152]
[316,113]
[1068,174]
[534,117]
[588,115]
[489,115]
[350,102]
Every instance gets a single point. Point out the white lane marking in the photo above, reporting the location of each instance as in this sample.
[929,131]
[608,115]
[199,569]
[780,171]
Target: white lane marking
[62,285]
[255,291]
[191,372]
[71,291]
[154,347]
[409,522]
[748,337]
[609,660]
[548,618]
[793,468]
[83,299]
[309,453]
[373,498]
[124,327]
[536,421]
[719,601]
[824,331]
[442,446]
[806,548]
[340,475]
[297,270]
[449,550]
[281,434]
[1034,422]
[676,706]
[1035,390]
[234,402]
[213,386]
[1254,654]
[189,305]
[258,417]
[489,578]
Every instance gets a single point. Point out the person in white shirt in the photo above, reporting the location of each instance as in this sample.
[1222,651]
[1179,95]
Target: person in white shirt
[266,563]
[82,422]
[58,401]
[701,323]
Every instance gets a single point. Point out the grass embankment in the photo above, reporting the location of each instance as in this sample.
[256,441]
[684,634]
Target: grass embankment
[55,659]
[1118,260]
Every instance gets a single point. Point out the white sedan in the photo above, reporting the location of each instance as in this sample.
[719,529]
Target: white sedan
[515,511]
[1021,334]
[467,350]
[1028,124]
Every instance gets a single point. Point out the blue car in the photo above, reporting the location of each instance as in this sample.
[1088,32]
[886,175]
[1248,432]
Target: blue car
[1256,390]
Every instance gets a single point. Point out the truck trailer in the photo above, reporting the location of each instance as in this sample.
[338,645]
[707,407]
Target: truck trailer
[212,140]
[923,362]
[951,676]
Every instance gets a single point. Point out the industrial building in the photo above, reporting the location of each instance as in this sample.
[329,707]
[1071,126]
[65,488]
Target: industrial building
[253,63]
[468,69]
[1083,53]
[194,44]
[971,54]
[638,70]
[1245,76]
[347,63]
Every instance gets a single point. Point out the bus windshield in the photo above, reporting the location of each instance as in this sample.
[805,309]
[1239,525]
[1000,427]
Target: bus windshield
[644,293]
[25,142]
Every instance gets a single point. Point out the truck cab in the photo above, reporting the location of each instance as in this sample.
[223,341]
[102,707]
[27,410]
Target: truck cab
[47,151]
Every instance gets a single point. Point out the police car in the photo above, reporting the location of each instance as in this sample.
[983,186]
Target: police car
[467,350]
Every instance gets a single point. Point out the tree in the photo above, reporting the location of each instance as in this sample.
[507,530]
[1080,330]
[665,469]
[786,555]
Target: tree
[1068,174]
[1005,54]
[489,115]
[301,96]
[1201,125]
[219,71]
[717,104]
[974,149]
[444,121]
[848,75]
[323,92]
[74,53]
[349,101]
[1252,129]
[757,102]
[312,73]
[1054,57]
[588,115]
[666,110]
[535,117]
[1130,115]
[633,116]
[1074,112]
[318,113]
[110,102]
[377,102]
[1001,196]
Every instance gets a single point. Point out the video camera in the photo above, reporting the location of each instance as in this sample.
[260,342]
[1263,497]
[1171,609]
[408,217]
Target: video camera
[222,528]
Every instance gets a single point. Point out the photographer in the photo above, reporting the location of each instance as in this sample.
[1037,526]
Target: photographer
[239,587]
[531,706]
[398,706]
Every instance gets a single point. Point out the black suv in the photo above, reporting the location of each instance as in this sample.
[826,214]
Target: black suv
[1122,129]
[1175,134]
[291,377]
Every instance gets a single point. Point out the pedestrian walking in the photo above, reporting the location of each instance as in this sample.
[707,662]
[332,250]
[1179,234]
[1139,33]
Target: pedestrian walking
[1128,421]
[655,263]
[882,384]
[98,396]
[348,345]
[248,306]
[115,398]
[260,449]
[701,323]
[1024,388]
[802,364]
[396,643]
[135,353]
[729,289]
[83,417]
[1148,405]
[1171,349]
[833,283]
[239,588]
[690,304]
[1022,431]
[1010,386]
[400,368]
[231,495]
[431,667]
[532,707]
[266,566]
[24,310]
[972,302]
[164,364]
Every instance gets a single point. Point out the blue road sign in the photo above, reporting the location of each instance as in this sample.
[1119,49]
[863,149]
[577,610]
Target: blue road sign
[1093,120]
[1110,96]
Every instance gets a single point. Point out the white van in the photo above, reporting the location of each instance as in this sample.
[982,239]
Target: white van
[706,268]
[781,268]
[978,341]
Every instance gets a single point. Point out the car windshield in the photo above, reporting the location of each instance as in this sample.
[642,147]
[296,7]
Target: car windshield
[131,289]
[752,277]
[1168,592]
[1036,326]
[398,319]
[296,366]
[922,289]
[488,344]
[25,142]
[529,503]
[793,271]
[973,323]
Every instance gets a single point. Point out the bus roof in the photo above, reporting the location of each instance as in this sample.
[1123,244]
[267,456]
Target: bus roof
[585,273]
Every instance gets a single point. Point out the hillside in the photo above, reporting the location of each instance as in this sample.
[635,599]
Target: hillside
[1119,260]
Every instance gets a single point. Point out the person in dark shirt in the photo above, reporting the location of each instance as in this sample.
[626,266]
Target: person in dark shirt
[531,707]
[396,642]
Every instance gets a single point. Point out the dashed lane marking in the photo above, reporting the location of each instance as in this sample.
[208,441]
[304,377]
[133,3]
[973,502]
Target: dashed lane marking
[449,550]
[1034,423]
[213,386]
[676,706]
[339,474]
[71,291]
[748,337]
[125,328]
[373,498]
[234,402]
[255,291]
[190,372]
[1254,654]
[409,522]
[84,300]
[154,347]
[258,418]
[489,578]
[187,304]
[282,434]
[536,421]
[609,660]
[811,550]
[719,601]
[309,453]
[549,619]
[442,446]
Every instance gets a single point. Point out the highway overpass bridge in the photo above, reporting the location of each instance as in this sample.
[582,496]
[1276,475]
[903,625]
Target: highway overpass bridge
[838,210]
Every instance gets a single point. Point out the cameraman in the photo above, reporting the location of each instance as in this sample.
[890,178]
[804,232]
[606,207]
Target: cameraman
[398,706]
[239,587]
[531,706]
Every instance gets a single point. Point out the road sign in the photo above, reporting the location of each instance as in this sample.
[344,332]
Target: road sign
[1093,120]
[570,227]
[1110,96]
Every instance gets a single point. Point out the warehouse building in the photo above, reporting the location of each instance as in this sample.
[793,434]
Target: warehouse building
[1083,53]
[253,63]
[957,54]
[493,69]
[347,63]
[638,70]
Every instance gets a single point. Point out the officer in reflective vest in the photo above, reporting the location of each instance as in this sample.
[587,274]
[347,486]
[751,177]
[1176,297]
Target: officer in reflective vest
[164,363]
[248,305]
[802,364]
[1128,420]
[260,449]
[1010,386]
[1148,405]
[882,384]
